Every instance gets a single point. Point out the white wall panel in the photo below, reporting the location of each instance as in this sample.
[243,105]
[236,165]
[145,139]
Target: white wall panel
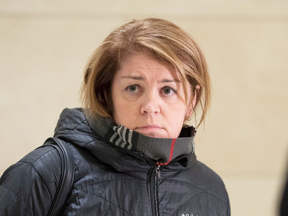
[44,46]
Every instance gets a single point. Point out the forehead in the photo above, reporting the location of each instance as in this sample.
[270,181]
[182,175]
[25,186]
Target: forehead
[146,66]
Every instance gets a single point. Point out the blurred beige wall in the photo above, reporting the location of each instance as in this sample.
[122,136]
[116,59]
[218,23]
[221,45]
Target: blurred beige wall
[44,46]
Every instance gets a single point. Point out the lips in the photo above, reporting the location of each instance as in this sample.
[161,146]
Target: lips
[148,129]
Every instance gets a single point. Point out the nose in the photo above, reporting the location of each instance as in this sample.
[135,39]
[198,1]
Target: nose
[150,104]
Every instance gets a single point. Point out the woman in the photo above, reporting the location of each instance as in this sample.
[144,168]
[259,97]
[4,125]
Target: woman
[132,150]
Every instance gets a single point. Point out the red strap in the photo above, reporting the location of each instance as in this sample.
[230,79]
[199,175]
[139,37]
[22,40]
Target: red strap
[171,153]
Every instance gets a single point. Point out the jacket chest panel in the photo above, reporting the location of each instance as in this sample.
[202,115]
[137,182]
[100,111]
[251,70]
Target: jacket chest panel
[178,197]
[111,194]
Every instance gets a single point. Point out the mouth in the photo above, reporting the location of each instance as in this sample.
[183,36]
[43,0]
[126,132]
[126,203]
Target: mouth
[148,129]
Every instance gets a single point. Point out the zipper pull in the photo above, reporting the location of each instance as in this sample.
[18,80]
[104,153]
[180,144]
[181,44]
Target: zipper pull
[157,171]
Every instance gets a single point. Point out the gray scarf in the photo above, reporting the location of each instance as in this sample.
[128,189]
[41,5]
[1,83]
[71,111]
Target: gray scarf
[162,150]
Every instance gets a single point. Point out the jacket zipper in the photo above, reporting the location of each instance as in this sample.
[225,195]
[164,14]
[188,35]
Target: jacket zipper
[157,171]
[152,183]
[155,174]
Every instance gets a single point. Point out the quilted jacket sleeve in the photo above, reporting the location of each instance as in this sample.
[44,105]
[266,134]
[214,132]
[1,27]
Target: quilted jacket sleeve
[28,187]
[228,207]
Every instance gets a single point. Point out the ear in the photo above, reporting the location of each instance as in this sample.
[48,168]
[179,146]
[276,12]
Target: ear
[191,106]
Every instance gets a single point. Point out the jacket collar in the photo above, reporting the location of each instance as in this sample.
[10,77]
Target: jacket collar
[115,145]
[162,150]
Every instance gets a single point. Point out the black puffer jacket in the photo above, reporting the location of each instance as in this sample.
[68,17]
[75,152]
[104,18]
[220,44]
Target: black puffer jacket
[110,180]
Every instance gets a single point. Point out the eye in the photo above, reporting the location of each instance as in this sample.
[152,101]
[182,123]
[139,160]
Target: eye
[168,90]
[133,88]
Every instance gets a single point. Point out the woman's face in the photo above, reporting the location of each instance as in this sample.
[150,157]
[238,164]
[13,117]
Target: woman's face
[148,97]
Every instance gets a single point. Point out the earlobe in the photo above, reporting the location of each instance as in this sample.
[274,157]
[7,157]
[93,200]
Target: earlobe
[189,112]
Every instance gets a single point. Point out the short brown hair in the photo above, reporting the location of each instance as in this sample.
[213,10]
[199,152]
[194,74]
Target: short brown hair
[163,40]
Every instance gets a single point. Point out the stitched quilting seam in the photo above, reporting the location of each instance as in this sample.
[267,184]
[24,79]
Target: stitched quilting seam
[101,182]
[17,197]
[195,196]
[218,185]
[107,201]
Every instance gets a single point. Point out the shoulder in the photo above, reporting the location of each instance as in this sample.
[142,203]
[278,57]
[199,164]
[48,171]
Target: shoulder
[44,160]
[207,174]
[38,164]
[30,184]
[211,185]
[209,181]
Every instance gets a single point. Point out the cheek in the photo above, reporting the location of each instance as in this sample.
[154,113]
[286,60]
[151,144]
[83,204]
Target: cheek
[178,108]
[123,112]
[176,116]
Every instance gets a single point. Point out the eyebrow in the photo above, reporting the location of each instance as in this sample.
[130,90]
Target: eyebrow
[133,77]
[169,80]
[141,78]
